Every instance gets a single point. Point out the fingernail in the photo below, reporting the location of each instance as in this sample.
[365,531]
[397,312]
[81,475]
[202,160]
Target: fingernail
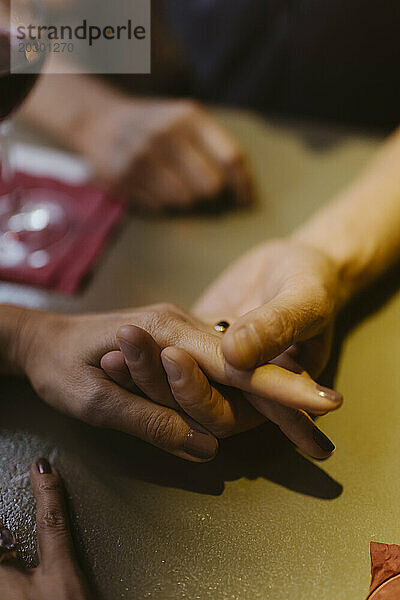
[7,539]
[173,370]
[247,342]
[43,466]
[329,394]
[200,445]
[322,440]
[132,353]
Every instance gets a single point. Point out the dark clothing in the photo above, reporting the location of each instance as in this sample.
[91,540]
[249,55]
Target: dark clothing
[329,59]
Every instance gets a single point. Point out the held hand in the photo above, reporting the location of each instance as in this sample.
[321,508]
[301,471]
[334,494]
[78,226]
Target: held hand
[63,357]
[281,299]
[160,154]
[58,575]
[221,410]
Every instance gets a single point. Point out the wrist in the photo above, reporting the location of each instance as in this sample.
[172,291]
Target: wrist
[95,122]
[351,264]
[334,269]
[16,336]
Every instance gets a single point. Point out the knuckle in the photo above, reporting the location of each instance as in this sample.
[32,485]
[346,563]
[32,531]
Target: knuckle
[159,429]
[49,486]
[90,409]
[162,319]
[52,519]
[189,107]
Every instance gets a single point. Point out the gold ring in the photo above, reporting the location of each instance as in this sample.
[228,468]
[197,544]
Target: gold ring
[221,326]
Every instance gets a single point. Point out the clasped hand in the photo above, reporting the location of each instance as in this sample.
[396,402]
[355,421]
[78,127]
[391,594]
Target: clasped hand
[170,379]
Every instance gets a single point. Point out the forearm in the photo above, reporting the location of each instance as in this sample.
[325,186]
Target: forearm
[360,228]
[66,106]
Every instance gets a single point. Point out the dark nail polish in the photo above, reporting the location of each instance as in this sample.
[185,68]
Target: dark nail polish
[132,353]
[7,539]
[329,394]
[200,445]
[43,466]
[322,440]
[173,370]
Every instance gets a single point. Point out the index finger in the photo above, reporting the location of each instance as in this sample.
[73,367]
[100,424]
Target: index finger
[54,539]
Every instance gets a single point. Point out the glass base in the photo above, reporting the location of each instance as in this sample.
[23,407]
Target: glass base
[33,225]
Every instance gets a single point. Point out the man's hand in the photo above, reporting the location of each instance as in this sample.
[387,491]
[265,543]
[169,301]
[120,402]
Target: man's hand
[160,154]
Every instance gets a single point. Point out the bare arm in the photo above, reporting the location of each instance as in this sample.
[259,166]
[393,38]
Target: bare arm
[360,228]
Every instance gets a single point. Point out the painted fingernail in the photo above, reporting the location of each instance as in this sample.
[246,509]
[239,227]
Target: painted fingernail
[43,466]
[328,394]
[322,440]
[7,539]
[200,445]
[173,370]
[132,353]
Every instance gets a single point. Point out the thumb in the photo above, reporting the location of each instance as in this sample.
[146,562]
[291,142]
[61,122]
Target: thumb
[265,332]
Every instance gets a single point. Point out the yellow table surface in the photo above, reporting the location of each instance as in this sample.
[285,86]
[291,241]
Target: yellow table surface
[261,521]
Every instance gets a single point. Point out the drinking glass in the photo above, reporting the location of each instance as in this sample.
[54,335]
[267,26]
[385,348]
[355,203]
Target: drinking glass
[34,222]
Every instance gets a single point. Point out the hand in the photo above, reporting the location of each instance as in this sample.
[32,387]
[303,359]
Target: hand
[160,154]
[58,575]
[62,354]
[221,410]
[281,299]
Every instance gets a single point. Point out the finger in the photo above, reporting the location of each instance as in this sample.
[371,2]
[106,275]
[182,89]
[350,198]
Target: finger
[115,408]
[297,426]
[224,149]
[265,332]
[113,363]
[54,539]
[170,328]
[220,414]
[203,175]
[142,357]
[158,184]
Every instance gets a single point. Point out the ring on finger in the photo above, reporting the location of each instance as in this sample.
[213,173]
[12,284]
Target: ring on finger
[221,326]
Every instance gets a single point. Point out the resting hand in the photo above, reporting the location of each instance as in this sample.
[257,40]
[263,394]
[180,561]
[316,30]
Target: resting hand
[58,575]
[161,154]
[281,298]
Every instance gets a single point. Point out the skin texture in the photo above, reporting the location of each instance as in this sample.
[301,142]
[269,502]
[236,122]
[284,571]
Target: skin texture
[58,574]
[155,154]
[61,355]
[283,289]
[281,299]
[160,154]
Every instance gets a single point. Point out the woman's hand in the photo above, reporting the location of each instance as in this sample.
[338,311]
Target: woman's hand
[61,355]
[161,154]
[58,575]
[281,299]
